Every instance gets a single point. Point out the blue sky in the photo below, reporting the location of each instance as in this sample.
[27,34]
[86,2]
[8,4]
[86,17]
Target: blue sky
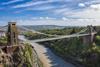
[50,12]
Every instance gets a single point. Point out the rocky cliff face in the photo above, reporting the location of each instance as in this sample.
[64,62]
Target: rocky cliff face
[22,55]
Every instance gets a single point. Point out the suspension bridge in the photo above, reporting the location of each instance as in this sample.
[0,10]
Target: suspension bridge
[91,32]
[88,35]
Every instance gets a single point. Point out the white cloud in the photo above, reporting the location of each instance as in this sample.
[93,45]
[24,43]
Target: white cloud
[42,8]
[43,18]
[10,2]
[90,12]
[19,11]
[62,11]
[34,18]
[28,4]
[96,6]
[45,7]
[81,5]
[49,18]
[67,22]
[32,3]
[92,2]
[64,18]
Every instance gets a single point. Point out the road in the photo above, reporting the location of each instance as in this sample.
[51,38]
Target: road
[48,58]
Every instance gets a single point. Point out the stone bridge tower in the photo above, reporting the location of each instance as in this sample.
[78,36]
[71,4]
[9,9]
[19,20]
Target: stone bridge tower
[12,34]
[89,39]
[12,37]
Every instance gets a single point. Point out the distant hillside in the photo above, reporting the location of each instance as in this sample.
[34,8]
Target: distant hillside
[44,27]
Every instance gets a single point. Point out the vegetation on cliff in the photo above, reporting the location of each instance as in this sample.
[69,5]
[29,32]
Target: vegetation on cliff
[3,40]
[27,57]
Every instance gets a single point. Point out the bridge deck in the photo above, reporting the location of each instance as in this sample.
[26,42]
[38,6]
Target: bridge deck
[60,37]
